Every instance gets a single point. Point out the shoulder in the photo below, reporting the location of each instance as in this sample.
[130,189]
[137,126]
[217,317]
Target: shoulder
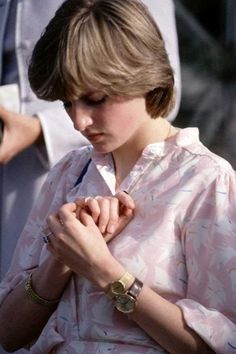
[197,171]
[193,153]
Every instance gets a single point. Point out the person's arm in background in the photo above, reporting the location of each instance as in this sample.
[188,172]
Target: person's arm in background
[164,13]
[50,130]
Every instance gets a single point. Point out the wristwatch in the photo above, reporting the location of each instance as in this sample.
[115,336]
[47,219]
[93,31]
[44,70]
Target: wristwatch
[127,301]
[120,286]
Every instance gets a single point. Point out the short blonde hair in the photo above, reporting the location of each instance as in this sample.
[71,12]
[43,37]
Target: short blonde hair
[113,46]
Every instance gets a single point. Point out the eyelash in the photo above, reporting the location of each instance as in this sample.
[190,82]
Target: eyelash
[87,101]
[90,102]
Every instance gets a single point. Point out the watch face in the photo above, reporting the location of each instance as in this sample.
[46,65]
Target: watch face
[117,288]
[125,303]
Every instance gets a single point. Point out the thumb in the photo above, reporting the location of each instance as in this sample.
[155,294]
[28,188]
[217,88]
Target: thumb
[127,212]
[125,199]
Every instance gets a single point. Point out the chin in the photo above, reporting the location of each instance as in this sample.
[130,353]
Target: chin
[103,149]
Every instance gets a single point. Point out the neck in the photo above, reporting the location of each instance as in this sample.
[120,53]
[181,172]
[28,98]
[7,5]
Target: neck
[126,156]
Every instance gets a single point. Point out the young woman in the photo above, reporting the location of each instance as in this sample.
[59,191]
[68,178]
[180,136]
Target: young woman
[131,246]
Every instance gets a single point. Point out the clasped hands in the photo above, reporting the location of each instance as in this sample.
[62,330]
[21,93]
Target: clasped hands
[81,230]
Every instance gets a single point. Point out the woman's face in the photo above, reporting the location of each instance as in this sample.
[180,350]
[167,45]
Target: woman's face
[108,122]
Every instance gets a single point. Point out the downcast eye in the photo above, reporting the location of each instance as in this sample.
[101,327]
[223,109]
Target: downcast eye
[93,101]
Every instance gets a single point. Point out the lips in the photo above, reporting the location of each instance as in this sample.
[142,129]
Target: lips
[94,136]
[91,135]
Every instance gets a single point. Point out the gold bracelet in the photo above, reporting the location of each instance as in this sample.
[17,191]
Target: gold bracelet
[35,297]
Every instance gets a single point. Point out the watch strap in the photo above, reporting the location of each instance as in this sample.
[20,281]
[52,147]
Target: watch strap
[135,288]
[125,281]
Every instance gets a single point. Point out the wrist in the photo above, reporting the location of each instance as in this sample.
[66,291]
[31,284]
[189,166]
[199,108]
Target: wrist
[50,279]
[56,266]
[113,271]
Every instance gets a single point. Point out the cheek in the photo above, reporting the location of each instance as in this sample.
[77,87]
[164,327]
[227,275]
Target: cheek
[125,128]
[123,117]
[123,124]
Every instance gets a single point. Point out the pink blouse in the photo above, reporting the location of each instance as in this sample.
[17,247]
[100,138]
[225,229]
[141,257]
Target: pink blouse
[181,243]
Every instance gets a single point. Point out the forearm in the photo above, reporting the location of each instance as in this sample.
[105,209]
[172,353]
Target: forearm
[164,322]
[23,318]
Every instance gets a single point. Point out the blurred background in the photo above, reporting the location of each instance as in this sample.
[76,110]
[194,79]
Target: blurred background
[207,44]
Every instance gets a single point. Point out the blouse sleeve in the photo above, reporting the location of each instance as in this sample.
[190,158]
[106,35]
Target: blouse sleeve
[209,242]
[30,247]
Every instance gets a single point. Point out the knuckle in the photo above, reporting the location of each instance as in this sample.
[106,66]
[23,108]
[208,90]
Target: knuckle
[96,213]
[63,207]
[113,219]
[79,202]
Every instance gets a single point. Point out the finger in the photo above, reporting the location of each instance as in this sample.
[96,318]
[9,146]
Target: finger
[49,237]
[80,203]
[126,212]
[90,204]
[108,237]
[127,204]
[62,226]
[86,219]
[93,206]
[66,213]
[104,205]
[57,221]
[123,222]
[114,215]
[54,225]
[125,199]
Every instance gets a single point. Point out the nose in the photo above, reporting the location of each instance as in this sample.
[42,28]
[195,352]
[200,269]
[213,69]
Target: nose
[81,116]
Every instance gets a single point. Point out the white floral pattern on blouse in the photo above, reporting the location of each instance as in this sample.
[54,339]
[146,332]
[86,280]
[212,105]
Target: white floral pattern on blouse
[182,243]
